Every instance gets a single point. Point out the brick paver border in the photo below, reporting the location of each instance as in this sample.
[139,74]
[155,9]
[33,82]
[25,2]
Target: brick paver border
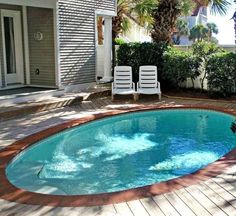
[10,193]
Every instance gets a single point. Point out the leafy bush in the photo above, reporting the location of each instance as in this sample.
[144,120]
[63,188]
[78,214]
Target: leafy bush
[221,70]
[137,54]
[203,50]
[119,41]
[180,65]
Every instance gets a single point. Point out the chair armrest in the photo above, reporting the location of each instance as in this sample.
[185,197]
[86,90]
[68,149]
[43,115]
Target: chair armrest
[133,86]
[112,85]
[138,86]
[159,85]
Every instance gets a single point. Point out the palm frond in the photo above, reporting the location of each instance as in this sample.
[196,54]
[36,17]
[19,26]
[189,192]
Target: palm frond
[219,6]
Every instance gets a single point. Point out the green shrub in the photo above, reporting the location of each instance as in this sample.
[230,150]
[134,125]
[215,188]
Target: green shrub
[180,65]
[137,54]
[204,49]
[221,70]
[119,41]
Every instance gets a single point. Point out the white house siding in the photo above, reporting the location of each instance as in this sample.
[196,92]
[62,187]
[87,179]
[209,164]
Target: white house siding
[77,39]
[41,53]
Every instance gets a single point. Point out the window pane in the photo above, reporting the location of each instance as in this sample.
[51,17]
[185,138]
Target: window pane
[10,45]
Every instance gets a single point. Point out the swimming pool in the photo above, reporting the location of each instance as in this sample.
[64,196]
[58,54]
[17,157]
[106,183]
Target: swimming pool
[123,152]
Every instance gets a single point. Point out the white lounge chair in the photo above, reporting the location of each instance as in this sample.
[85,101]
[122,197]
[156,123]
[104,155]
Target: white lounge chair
[148,83]
[123,84]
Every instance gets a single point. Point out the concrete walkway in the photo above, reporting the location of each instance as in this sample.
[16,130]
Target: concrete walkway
[216,196]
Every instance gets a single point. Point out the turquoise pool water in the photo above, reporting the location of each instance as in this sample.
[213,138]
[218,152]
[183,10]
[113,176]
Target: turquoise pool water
[123,152]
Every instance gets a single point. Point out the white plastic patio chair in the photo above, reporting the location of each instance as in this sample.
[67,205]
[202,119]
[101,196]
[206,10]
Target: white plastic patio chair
[148,83]
[123,84]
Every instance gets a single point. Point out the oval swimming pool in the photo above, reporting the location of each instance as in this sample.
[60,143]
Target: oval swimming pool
[123,152]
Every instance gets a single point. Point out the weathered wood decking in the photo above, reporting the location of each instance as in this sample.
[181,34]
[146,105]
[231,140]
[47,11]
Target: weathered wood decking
[216,196]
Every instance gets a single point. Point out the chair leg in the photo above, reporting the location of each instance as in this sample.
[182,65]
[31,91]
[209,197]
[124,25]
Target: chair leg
[136,97]
[159,95]
[112,97]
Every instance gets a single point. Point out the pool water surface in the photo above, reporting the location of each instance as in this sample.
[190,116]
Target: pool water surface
[123,152]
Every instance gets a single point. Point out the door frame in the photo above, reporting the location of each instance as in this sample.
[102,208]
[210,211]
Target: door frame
[18,43]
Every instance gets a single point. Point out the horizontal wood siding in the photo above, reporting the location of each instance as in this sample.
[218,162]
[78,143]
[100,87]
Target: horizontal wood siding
[5,7]
[77,39]
[42,53]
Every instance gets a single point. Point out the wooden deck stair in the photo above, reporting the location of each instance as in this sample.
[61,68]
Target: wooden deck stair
[9,110]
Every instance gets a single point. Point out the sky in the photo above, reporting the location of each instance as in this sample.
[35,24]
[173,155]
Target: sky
[225,25]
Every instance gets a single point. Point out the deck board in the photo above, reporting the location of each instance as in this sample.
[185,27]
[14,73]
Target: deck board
[189,200]
[165,205]
[216,199]
[151,207]
[181,207]
[205,201]
[123,209]
[137,208]
[222,192]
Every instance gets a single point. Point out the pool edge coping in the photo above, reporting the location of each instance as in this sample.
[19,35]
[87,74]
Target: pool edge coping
[13,194]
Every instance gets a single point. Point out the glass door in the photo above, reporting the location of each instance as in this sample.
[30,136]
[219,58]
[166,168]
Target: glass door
[12,47]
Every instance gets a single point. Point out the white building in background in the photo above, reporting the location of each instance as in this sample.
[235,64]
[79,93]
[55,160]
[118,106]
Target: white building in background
[137,33]
[199,16]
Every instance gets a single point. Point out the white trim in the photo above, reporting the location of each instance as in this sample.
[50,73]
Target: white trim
[16,15]
[57,44]
[12,87]
[41,86]
[26,45]
[22,86]
[96,44]
[1,83]
[107,50]
[32,3]
[116,5]
[105,13]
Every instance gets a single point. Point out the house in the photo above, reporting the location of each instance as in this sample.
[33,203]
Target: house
[52,43]
[199,16]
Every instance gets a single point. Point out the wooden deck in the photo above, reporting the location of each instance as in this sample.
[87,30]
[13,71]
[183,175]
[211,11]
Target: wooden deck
[216,196]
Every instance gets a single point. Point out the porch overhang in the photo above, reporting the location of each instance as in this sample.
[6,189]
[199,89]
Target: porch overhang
[32,3]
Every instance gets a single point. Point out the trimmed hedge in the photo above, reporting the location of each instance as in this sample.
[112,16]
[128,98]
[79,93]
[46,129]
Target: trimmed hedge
[138,54]
[174,66]
[179,66]
[221,73]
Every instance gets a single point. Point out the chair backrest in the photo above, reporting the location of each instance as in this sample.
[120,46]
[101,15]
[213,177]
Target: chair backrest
[148,76]
[123,77]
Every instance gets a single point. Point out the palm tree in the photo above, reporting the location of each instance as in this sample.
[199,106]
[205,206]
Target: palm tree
[140,9]
[212,29]
[165,17]
[166,13]
[181,30]
[217,6]
[198,33]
